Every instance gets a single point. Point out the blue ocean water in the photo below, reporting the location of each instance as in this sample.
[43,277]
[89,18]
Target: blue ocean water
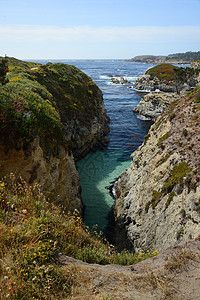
[99,169]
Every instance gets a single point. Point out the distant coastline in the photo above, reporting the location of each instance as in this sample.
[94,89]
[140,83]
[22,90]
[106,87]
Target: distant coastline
[177,58]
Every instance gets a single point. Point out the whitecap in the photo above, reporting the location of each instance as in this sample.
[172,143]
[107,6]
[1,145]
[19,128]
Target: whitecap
[104,77]
[143,118]
[143,91]
[114,190]
[131,78]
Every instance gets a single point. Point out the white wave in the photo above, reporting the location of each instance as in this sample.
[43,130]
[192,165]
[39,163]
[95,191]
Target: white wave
[143,91]
[127,105]
[110,83]
[114,192]
[143,118]
[104,77]
[131,78]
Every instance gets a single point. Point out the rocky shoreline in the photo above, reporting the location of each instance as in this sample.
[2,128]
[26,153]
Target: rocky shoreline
[144,83]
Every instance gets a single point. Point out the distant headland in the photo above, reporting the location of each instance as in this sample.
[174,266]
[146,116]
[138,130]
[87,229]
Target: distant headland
[178,58]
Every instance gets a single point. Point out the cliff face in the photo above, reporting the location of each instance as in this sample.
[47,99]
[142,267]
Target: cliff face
[49,115]
[158,197]
[153,104]
[58,177]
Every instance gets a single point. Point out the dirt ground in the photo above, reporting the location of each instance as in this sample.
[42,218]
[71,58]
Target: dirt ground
[173,274]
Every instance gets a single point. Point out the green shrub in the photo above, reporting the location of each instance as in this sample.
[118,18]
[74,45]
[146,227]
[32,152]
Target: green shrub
[170,198]
[197,98]
[164,72]
[178,172]
[172,116]
[163,138]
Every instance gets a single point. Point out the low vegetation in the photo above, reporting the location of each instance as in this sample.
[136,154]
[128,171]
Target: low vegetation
[179,259]
[176,176]
[163,138]
[32,103]
[33,232]
[164,72]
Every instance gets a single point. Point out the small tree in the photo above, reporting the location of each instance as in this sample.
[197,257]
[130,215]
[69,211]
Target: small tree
[3,70]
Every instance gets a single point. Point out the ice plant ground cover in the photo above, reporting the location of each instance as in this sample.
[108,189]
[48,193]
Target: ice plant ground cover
[33,232]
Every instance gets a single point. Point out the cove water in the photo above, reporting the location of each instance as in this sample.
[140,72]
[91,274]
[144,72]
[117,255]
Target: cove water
[98,170]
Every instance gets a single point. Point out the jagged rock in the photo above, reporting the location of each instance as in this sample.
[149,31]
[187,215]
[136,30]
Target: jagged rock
[153,104]
[119,80]
[160,192]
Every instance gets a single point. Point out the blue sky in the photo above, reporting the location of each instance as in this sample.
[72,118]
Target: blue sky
[91,29]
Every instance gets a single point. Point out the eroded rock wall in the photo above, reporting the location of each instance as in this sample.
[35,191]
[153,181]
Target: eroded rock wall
[58,177]
[158,202]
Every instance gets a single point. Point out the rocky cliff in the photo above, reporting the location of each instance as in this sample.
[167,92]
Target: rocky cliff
[153,104]
[167,78]
[158,197]
[49,115]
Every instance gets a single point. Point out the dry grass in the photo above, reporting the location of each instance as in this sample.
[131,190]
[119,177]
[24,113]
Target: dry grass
[179,260]
[33,232]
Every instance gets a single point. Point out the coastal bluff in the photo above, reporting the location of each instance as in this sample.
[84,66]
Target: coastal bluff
[51,115]
[166,77]
[158,196]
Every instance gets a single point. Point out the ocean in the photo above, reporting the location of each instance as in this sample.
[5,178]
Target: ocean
[98,170]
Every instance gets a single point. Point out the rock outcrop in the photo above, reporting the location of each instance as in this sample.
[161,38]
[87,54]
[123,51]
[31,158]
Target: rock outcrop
[51,115]
[167,78]
[117,79]
[153,104]
[144,83]
[158,196]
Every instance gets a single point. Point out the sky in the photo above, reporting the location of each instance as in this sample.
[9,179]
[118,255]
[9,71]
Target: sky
[92,29]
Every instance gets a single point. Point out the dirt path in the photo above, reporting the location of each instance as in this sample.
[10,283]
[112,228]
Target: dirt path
[174,274]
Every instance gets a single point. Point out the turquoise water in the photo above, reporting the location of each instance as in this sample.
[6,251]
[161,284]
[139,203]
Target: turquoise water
[99,169]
